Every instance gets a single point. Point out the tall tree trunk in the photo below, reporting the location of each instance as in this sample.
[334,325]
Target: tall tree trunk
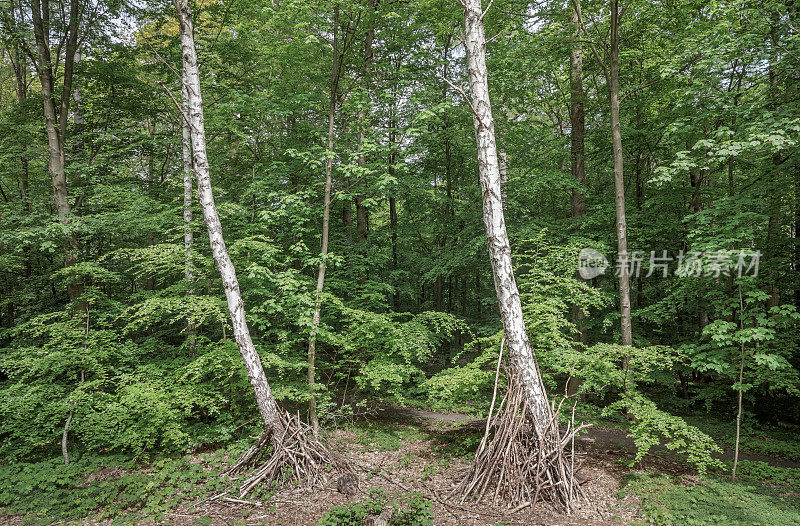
[312,340]
[362,213]
[619,179]
[393,199]
[267,406]
[150,281]
[520,349]
[19,65]
[577,156]
[576,117]
[188,235]
[56,119]
[393,224]
[56,129]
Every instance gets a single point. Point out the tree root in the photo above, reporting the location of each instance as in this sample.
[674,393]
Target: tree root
[293,455]
[519,464]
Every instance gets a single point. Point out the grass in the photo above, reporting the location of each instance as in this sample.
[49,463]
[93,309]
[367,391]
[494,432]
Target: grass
[665,501]
[457,443]
[407,510]
[386,437]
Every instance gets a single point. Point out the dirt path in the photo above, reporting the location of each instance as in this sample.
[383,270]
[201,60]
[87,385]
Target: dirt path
[595,438]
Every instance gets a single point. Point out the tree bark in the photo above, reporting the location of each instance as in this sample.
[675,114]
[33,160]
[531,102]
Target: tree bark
[312,340]
[362,213]
[520,350]
[577,156]
[619,179]
[188,235]
[56,119]
[576,117]
[268,407]
[150,280]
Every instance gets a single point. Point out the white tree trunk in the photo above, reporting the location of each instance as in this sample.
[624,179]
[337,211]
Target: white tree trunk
[186,144]
[267,405]
[188,235]
[522,356]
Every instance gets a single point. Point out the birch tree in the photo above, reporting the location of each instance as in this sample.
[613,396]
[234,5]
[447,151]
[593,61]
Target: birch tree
[294,456]
[525,371]
[267,406]
[188,168]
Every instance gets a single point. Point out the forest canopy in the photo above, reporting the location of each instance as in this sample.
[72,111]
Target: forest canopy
[358,158]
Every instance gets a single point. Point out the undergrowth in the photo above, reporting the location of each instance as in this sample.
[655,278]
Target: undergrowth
[386,437]
[767,441]
[407,510]
[665,501]
[106,487]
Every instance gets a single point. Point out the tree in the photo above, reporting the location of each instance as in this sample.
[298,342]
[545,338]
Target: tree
[56,114]
[610,66]
[326,214]
[310,457]
[562,487]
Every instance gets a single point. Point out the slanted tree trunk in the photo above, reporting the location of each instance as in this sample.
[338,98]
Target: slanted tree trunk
[296,454]
[326,212]
[522,484]
[519,347]
[267,406]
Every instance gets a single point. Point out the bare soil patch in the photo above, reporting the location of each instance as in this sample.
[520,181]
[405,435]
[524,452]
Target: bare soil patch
[419,467]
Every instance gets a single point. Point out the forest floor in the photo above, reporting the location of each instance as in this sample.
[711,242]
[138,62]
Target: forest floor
[407,460]
[395,464]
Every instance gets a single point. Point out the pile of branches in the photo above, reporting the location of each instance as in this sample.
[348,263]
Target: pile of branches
[522,463]
[293,455]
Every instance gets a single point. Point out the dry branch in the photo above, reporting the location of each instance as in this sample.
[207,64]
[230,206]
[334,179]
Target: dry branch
[519,466]
[294,456]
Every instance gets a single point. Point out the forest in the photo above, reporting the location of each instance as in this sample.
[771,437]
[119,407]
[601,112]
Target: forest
[381,262]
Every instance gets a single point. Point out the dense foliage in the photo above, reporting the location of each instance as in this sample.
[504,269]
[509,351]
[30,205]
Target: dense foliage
[142,360]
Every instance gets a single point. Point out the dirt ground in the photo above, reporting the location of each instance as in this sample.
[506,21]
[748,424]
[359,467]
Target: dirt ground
[417,467]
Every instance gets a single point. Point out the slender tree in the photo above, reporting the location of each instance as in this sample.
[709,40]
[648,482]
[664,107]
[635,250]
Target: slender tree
[610,65]
[326,213]
[188,168]
[294,456]
[525,370]
[267,406]
[612,72]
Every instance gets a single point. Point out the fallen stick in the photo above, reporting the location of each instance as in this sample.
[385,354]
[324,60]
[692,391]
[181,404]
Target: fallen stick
[520,507]
[239,501]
